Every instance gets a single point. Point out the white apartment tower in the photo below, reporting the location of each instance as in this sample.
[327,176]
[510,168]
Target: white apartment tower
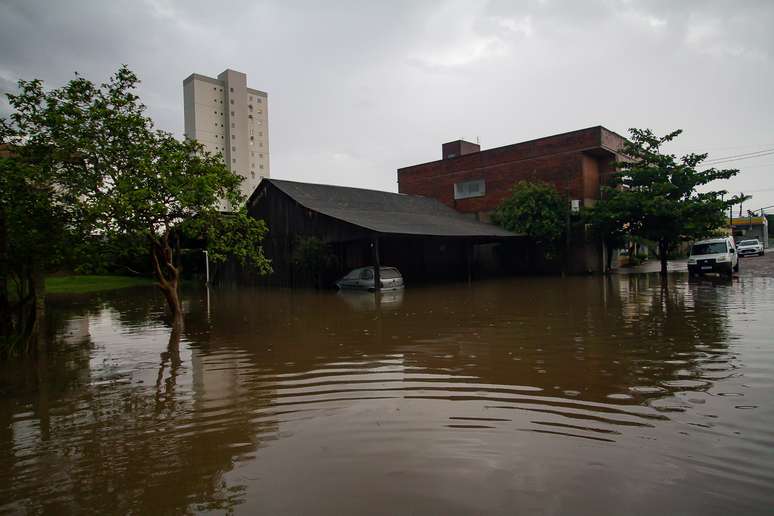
[227,117]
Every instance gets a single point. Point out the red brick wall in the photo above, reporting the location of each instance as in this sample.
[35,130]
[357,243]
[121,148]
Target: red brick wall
[571,162]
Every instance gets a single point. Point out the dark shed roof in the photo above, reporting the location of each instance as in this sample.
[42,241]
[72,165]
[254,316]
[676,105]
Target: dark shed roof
[386,212]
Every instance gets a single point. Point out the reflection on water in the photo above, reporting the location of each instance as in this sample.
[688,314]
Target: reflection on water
[583,395]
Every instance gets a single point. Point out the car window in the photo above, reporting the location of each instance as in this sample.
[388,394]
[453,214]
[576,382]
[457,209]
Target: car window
[713,248]
[390,274]
[367,274]
[748,242]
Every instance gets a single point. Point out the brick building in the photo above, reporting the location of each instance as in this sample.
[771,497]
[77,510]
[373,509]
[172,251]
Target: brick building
[473,181]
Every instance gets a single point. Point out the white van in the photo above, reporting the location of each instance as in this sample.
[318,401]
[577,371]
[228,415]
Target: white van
[714,255]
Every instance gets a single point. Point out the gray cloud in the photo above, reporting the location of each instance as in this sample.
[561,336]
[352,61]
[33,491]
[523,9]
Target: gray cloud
[358,89]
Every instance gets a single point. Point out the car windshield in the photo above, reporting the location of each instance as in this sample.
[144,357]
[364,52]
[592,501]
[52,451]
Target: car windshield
[748,242]
[389,273]
[712,248]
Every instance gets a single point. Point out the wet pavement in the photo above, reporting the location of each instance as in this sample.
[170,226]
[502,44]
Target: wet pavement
[593,395]
[749,266]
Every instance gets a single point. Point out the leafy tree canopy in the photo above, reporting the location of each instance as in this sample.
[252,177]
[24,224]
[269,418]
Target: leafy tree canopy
[535,209]
[660,197]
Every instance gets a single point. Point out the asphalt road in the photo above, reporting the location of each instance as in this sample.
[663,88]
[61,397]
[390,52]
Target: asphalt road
[749,266]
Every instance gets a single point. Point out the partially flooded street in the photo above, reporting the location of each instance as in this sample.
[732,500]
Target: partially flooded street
[586,395]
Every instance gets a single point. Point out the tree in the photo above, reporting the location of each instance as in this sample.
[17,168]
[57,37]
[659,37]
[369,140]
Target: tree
[656,196]
[535,209]
[34,234]
[95,148]
[313,256]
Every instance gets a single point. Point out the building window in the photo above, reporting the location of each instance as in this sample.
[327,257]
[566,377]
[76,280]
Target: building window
[233,125]
[260,133]
[250,117]
[252,174]
[215,112]
[250,106]
[467,189]
[261,166]
[252,165]
[233,149]
[252,154]
[233,160]
[232,101]
[258,100]
[233,137]
[260,156]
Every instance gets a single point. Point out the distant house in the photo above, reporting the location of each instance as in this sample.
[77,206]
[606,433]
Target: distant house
[475,181]
[745,228]
[424,238]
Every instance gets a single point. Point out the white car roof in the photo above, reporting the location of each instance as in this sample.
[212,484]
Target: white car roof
[712,241]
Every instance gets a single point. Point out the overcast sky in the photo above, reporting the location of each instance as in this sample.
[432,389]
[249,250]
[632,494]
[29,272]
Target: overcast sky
[358,89]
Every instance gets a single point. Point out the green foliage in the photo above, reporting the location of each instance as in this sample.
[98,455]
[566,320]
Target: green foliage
[236,235]
[655,195]
[535,209]
[312,255]
[38,225]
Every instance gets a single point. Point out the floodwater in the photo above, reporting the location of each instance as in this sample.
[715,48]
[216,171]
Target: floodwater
[532,396]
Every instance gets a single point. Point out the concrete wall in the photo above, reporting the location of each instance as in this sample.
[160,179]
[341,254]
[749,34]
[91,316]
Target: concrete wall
[229,118]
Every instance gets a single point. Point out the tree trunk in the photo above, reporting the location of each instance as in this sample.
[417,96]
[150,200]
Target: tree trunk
[169,278]
[663,251]
[5,305]
[608,250]
[38,288]
[172,297]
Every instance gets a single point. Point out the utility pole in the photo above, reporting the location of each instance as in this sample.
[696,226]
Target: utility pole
[206,267]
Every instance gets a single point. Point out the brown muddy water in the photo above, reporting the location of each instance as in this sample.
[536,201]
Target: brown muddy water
[531,396]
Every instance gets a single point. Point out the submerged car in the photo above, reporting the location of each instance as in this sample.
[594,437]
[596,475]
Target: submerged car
[750,248]
[363,279]
[713,255]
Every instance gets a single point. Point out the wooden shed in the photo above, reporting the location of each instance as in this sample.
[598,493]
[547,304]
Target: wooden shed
[355,227]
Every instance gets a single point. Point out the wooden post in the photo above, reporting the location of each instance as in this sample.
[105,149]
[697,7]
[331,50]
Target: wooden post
[377,265]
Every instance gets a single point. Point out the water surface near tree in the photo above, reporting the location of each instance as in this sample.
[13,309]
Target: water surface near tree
[583,395]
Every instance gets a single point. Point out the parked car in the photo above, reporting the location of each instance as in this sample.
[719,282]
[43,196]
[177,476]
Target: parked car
[714,255]
[750,247]
[363,279]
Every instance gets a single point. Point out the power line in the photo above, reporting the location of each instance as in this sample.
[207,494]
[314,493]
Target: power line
[747,155]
